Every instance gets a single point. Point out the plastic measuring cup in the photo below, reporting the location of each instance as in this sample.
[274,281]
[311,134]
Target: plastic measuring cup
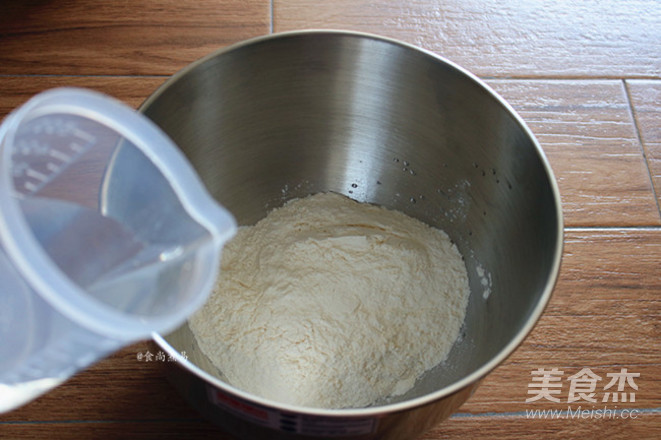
[76,281]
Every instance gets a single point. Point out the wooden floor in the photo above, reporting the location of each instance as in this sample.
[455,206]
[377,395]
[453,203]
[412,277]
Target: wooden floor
[586,76]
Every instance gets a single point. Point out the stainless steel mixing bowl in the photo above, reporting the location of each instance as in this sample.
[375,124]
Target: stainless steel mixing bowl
[291,114]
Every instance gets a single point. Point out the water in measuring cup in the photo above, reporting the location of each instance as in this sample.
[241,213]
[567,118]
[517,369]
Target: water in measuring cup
[107,259]
[59,165]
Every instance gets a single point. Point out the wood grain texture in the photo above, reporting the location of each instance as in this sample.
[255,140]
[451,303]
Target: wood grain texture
[142,37]
[160,429]
[643,426]
[586,129]
[646,101]
[513,38]
[604,315]
[15,90]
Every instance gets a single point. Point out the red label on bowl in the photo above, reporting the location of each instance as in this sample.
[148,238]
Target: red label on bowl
[322,426]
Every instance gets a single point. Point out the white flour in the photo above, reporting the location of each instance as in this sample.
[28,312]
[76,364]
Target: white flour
[329,303]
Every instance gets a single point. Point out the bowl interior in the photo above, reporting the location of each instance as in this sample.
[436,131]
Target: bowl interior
[380,122]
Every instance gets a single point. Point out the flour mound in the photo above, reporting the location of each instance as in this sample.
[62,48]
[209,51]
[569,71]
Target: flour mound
[330,303]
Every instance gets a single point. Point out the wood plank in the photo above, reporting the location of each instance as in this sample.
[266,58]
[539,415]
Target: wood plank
[15,90]
[505,39]
[586,130]
[644,426]
[151,37]
[595,284]
[604,315]
[79,430]
[646,100]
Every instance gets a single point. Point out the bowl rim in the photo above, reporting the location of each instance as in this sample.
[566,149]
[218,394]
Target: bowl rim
[456,386]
